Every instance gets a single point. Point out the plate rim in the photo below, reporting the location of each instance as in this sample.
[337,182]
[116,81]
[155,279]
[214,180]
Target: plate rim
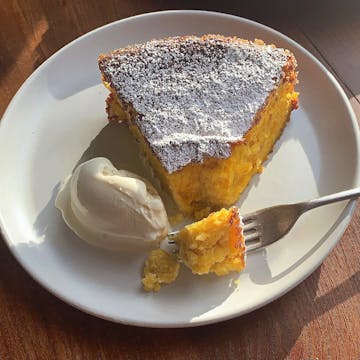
[347,211]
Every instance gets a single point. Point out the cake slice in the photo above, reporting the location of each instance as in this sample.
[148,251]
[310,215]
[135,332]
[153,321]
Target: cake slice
[206,111]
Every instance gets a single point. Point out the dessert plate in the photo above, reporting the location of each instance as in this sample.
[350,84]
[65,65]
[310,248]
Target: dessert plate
[57,119]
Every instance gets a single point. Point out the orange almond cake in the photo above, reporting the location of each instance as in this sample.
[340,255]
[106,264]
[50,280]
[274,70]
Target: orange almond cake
[206,111]
[214,244]
[160,268]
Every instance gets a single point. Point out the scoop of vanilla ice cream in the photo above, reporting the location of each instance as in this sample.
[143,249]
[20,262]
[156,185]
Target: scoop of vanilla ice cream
[111,208]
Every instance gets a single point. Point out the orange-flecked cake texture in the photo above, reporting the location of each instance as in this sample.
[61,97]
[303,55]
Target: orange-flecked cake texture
[160,268]
[206,111]
[214,245]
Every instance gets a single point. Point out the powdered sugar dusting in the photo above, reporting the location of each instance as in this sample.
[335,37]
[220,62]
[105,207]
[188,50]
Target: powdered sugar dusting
[194,96]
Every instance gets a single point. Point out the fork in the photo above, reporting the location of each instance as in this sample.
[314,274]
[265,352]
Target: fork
[264,227]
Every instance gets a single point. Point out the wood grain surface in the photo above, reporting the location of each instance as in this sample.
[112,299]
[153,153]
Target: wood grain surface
[319,319]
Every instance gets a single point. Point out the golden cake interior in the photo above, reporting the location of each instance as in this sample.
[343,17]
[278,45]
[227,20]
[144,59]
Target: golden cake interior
[199,188]
[160,268]
[214,244]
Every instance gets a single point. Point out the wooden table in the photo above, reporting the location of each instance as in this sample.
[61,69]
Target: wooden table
[319,319]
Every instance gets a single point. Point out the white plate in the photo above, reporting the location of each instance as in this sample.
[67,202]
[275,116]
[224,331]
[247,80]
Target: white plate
[50,126]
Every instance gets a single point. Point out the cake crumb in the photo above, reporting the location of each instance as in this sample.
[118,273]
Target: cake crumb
[160,268]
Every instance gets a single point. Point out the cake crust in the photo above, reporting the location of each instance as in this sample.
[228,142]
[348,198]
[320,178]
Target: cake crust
[193,98]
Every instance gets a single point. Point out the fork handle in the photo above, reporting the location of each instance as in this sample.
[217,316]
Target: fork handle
[328,199]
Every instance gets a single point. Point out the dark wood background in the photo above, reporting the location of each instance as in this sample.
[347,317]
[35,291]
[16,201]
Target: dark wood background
[319,319]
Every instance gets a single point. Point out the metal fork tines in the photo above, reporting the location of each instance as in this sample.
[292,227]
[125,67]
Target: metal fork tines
[264,227]
[252,233]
